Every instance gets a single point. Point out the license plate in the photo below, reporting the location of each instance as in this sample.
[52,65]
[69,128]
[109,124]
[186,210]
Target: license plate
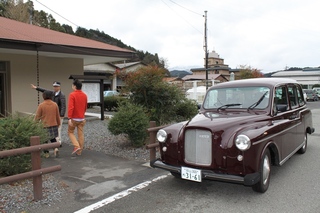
[191,174]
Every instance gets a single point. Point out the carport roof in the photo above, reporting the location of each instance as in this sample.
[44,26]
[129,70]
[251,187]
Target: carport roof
[21,36]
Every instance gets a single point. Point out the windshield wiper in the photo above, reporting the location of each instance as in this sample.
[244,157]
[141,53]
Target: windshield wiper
[258,102]
[227,105]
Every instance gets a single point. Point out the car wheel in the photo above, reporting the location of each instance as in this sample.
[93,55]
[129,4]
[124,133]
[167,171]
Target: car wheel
[303,149]
[264,170]
[176,175]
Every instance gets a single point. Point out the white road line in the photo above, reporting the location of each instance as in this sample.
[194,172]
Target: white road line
[119,195]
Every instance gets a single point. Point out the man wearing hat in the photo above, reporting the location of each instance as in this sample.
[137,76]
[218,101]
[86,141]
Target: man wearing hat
[59,98]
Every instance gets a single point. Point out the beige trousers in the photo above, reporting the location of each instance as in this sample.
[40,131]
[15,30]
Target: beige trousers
[77,143]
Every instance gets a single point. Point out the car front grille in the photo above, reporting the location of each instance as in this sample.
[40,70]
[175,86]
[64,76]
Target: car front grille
[198,147]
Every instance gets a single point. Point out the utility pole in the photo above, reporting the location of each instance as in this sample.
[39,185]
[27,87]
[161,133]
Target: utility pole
[206,47]
[30,10]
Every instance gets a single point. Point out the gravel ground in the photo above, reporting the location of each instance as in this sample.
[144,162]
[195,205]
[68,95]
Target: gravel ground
[98,138]
[18,196]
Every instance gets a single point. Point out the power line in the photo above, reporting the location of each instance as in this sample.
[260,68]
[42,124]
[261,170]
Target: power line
[186,8]
[57,14]
[181,16]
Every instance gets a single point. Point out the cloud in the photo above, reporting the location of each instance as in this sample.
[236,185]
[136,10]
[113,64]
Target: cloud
[266,34]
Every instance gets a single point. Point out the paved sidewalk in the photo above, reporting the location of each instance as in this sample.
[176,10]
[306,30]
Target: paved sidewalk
[94,176]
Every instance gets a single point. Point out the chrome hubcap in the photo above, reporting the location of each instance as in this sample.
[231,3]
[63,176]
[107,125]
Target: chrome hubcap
[266,169]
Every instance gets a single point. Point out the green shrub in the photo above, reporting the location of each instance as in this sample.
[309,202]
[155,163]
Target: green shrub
[131,120]
[186,109]
[111,103]
[15,132]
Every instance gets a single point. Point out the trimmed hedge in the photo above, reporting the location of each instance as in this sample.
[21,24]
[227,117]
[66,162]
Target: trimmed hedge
[131,120]
[15,132]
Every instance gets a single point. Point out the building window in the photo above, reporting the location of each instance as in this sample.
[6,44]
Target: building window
[2,66]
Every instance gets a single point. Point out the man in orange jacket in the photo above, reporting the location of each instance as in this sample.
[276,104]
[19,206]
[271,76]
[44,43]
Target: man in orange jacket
[77,106]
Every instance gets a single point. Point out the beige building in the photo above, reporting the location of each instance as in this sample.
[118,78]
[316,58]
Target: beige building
[31,54]
[113,82]
[215,66]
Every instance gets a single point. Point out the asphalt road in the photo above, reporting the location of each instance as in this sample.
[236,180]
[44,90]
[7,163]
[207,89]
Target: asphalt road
[294,187]
[313,104]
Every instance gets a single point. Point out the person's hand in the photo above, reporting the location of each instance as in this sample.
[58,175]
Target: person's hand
[33,86]
[70,123]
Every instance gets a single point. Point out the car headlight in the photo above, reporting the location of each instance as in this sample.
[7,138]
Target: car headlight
[243,142]
[162,136]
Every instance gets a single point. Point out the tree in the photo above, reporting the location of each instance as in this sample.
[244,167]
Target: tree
[53,25]
[68,29]
[249,72]
[40,19]
[294,68]
[3,6]
[164,63]
[17,10]
[143,82]
[82,32]
[163,102]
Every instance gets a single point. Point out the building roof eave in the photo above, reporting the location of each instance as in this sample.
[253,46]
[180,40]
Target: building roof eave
[53,48]
[210,69]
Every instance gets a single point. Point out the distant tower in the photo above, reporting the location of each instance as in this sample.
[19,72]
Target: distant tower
[214,59]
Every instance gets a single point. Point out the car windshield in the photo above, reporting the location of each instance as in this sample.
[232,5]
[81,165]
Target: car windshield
[237,97]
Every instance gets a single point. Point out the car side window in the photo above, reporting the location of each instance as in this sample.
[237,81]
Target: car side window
[280,99]
[300,96]
[293,97]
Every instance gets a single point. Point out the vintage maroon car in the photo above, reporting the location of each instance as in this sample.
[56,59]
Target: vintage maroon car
[243,127]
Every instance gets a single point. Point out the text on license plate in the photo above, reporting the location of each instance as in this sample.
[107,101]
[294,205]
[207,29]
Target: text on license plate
[191,174]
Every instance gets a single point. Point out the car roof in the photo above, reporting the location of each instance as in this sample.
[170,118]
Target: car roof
[269,82]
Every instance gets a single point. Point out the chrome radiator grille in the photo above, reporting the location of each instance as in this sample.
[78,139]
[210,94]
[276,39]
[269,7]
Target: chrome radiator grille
[198,147]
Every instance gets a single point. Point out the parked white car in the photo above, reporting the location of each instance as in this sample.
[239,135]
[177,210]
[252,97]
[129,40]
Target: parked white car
[110,93]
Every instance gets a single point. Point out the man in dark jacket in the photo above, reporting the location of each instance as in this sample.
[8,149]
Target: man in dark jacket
[59,98]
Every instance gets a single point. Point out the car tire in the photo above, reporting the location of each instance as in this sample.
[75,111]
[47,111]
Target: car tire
[264,170]
[303,149]
[176,175]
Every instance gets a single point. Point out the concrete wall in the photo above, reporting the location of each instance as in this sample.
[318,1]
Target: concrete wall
[23,72]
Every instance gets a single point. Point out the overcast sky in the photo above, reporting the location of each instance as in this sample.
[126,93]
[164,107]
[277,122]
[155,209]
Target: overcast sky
[265,34]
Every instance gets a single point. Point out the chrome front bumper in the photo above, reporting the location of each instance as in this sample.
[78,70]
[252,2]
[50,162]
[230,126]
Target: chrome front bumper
[248,180]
